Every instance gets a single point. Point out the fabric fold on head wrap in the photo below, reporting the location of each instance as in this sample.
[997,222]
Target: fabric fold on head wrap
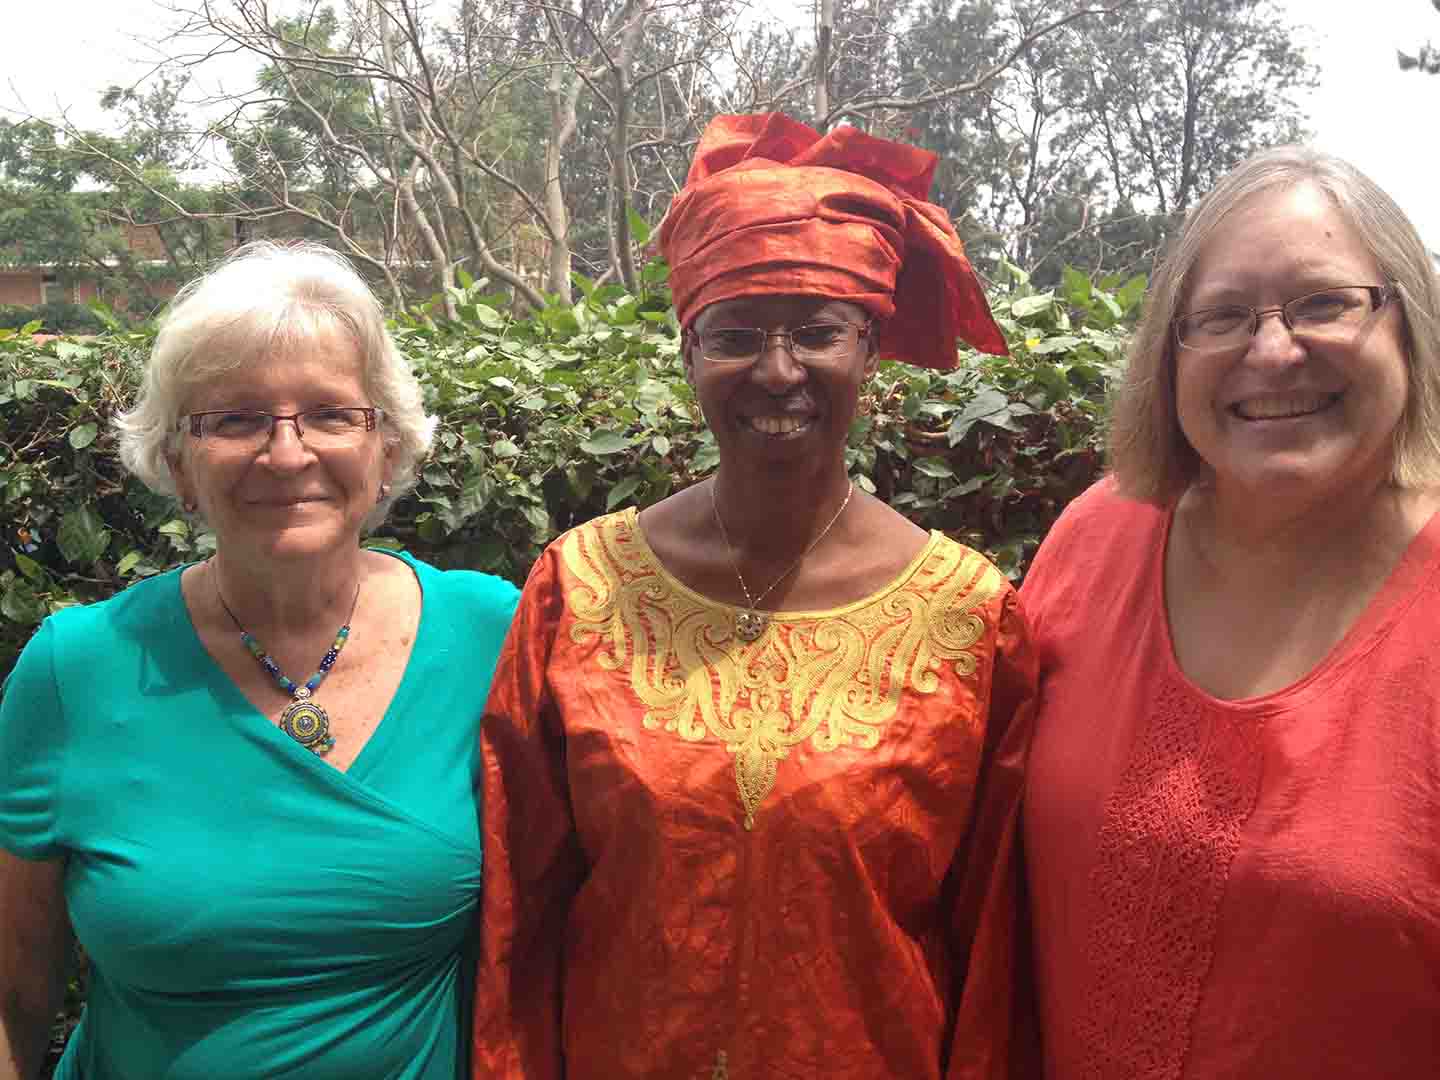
[773,207]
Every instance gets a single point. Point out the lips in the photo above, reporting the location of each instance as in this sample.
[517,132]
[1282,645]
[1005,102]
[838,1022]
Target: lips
[1283,406]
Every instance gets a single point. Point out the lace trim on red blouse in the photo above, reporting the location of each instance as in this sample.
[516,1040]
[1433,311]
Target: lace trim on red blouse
[1169,834]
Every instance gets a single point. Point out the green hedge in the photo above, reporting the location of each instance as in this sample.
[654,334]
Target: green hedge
[550,419]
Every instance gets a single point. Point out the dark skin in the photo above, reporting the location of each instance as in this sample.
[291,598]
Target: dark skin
[777,490]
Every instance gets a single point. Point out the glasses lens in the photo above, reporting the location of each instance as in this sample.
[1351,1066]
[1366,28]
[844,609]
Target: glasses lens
[1331,311]
[333,426]
[1215,328]
[732,344]
[235,427]
[823,341]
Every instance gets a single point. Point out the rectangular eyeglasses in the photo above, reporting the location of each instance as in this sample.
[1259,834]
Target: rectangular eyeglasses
[1329,315]
[330,425]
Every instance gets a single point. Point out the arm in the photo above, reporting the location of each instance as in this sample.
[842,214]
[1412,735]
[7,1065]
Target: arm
[533,862]
[34,950]
[996,1032]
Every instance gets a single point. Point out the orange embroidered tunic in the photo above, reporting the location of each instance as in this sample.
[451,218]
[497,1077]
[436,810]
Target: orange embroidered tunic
[795,857]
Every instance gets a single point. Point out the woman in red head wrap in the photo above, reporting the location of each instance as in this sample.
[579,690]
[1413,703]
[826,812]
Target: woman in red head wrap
[753,757]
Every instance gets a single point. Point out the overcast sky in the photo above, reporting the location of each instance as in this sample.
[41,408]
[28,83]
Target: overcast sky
[1365,108]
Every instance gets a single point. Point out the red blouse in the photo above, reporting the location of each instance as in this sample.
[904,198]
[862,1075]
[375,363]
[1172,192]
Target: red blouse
[1230,889]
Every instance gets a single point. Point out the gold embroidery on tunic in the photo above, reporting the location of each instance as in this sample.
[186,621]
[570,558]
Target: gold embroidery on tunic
[722,1067]
[833,680]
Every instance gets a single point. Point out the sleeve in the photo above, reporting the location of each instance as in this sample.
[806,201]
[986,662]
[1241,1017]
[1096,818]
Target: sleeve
[996,1030]
[32,737]
[533,862]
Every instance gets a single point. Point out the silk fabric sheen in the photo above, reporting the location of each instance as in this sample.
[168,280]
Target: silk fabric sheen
[869,924]
[771,207]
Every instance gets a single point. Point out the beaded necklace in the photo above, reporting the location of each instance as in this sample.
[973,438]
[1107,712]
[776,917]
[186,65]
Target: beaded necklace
[303,719]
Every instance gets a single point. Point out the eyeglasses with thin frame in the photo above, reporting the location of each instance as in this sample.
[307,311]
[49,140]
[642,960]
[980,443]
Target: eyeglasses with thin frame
[1331,314]
[813,343]
[250,429]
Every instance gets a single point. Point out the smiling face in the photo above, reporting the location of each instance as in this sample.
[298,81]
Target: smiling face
[288,500]
[777,409]
[1284,413]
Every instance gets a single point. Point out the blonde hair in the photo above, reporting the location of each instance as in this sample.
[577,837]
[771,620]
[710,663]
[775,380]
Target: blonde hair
[1149,454]
[267,299]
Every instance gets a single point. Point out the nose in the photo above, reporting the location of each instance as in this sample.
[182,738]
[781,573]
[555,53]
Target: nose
[285,448]
[1274,344]
[776,368]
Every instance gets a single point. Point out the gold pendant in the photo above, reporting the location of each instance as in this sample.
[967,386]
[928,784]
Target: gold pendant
[308,724]
[750,624]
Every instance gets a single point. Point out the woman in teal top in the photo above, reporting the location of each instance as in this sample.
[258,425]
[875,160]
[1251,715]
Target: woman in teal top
[249,785]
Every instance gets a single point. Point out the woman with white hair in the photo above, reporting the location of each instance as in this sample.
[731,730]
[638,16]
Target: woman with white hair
[248,784]
[1234,790]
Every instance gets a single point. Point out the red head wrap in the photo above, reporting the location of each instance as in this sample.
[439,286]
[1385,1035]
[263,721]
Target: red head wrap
[773,207]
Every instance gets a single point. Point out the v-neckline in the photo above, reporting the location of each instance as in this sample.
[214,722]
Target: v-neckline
[241,708]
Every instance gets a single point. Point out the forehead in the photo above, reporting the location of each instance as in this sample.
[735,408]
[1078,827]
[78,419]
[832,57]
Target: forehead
[771,311]
[1278,244]
[317,363]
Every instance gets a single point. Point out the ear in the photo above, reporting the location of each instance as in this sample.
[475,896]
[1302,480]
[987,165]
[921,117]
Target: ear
[184,485]
[689,341]
[872,350]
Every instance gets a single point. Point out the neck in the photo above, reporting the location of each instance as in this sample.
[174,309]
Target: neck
[292,599]
[770,518]
[1267,534]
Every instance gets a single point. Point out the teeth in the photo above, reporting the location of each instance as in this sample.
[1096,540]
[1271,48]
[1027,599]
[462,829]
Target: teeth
[777,425]
[1271,408]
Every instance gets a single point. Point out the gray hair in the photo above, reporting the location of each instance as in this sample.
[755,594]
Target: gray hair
[1149,454]
[263,297]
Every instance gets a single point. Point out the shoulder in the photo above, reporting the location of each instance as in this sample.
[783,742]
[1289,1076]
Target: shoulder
[978,579]
[141,616]
[1101,525]
[479,598]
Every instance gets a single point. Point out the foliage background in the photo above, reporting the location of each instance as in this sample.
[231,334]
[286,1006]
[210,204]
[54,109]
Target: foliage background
[549,419]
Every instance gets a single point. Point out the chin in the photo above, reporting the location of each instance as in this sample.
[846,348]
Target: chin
[298,543]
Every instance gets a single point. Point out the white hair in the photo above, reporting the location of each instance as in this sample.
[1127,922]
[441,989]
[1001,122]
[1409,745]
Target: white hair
[263,300]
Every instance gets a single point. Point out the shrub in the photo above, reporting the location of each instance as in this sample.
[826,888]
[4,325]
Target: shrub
[551,419]
[56,317]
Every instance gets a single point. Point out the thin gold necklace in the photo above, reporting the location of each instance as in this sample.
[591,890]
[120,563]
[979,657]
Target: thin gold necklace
[750,623]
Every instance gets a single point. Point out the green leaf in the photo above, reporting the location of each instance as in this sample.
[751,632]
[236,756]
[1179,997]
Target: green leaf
[82,536]
[175,527]
[660,444]
[127,562]
[1132,292]
[988,404]
[387,543]
[83,436]
[605,442]
[463,277]
[936,467]
[639,230]
[32,570]
[622,491]
[504,448]
[1058,343]
[21,604]
[1032,305]
[1076,287]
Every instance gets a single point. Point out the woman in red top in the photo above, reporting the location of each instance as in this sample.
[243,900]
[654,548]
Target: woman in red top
[753,757]
[1234,803]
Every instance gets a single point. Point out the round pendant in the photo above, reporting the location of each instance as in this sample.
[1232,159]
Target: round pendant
[309,725]
[749,625]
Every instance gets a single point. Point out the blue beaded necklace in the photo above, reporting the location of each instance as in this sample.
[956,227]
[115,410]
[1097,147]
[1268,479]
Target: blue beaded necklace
[303,719]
